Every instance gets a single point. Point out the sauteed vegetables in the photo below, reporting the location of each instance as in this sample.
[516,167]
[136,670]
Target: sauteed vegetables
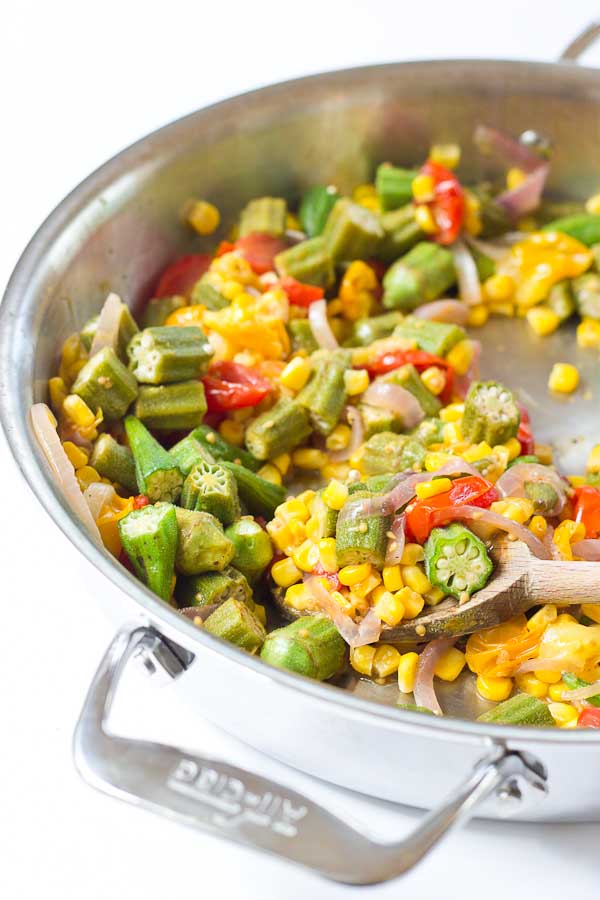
[292,445]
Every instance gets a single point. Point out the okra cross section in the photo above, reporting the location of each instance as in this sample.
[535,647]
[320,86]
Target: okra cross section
[202,544]
[212,488]
[456,560]
[491,414]
[168,354]
[156,473]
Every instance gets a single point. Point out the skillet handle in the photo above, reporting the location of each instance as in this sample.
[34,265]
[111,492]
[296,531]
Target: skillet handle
[580,44]
[254,811]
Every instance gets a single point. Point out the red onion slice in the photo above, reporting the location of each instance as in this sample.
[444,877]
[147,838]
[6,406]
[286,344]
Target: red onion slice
[367,631]
[512,482]
[321,329]
[107,330]
[396,398]
[395,547]
[469,286]
[354,417]
[452,311]
[582,693]
[526,197]
[488,518]
[499,248]
[510,151]
[424,692]
[588,549]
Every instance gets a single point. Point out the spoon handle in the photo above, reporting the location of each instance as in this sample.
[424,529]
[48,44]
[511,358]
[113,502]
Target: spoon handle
[564,583]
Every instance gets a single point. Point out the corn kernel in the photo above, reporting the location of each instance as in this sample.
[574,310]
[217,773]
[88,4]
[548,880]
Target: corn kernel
[339,471]
[412,554]
[435,460]
[407,672]
[478,315]
[296,373]
[542,320]
[361,659]
[564,378]
[327,554]
[447,155]
[424,218]
[368,584]
[434,596]
[285,572]
[339,438]
[392,578]
[356,381]
[543,617]
[388,607]
[434,379]
[270,473]
[452,413]
[588,334]
[514,448]
[529,684]
[78,411]
[58,393]
[335,494]
[452,433]
[306,497]
[364,192]
[309,458]
[576,481]
[593,204]
[461,356]
[423,188]
[450,664]
[544,453]
[496,689]
[77,455]
[412,602]
[306,556]
[385,661]
[592,611]
[477,451]
[427,489]
[204,217]
[514,178]
[299,597]
[472,217]
[498,288]
[294,508]
[517,509]
[283,462]
[593,460]
[87,475]
[546,676]
[555,691]
[564,714]
[261,613]
[232,432]
[351,575]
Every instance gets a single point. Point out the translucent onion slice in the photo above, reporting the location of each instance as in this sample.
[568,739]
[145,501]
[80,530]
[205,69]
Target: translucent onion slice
[354,418]
[452,311]
[98,495]
[512,482]
[526,197]
[582,693]
[321,329]
[367,631]
[499,248]
[510,151]
[546,664]
[396,398]
[588,549]
[469,286]
[487,518]
[424,692]
[395,547]
[107,330]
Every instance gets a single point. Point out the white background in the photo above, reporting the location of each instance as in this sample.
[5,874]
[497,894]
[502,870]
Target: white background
[78,83]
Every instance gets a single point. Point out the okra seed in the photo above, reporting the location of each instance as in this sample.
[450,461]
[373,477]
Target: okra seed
[461,547]
[460,583]
[363,527]
[448,551]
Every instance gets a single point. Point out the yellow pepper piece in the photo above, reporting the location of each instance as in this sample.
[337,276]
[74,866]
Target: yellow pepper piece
[430,488]
[567,533]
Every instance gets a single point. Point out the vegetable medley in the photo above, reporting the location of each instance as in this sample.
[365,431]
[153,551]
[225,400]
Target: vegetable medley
[294,430]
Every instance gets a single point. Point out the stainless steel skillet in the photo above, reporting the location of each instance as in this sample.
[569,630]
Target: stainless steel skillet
[116,230]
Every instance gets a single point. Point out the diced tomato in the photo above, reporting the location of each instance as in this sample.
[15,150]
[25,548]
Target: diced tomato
[471,490]
[229,385]
[332,577]
[589,717]
[448,204]
[301,294]
[224,247]
[140,501]
[421,360]
[260,250]
[180,276]
[525,437]
[587,509]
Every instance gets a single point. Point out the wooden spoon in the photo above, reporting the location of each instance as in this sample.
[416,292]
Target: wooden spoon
[520,581]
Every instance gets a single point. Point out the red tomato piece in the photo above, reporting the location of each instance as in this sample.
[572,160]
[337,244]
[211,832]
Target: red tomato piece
[229,385]
[589,717]
[332,577]
[448,204]
[587,510]
[300,294]
[260,250]
[180,276]
[472,490]
[224,247]
[421,360]
[525,437]
[140,501]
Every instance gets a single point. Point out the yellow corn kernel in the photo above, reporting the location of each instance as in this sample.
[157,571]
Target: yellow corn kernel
[514,178]
[232,267]
[434,379]
[385,661]
[412,602]
[546,676]
[576,480]
[388,607]
[518,509]
[407,672]
[498,288]
[232,432]
[339,438]
[452,413]
[285,572]
[294,508]
[58,392]
[339,471]
[588,334]
[77,455]
[306,556]
[478,315]
[356,381]
[592,611]
[260,612]
[447,155]
[477,451]
[423,188]
[544,616]
[361,659]
[412,554]
[362,588]
[314,528]
[542,320]
[452,433]
[593,460]
[296,373]
[309,458]
[392,578]
[544,453]
[427,489]
[299,597]
[283,462]
[461,356]
[529,684]
[364,192]
[555,691]
[78,411]
[435,460]
[351,575]
[306,497]
[567,533]
[514,448]
[87,475]
[327,554]
[472,218]
[564,714]
[434,596]
[297,531]
[270,473]
[230,290]
[593,204]
[424,218]
[450,664]
[564,378]
[496,689]
[335,494]
[204,217]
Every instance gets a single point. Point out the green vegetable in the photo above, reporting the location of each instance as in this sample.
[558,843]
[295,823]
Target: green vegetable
[375,484]
[168,353]
[259,496]
[159,309]
[493,216]
[310,646]
[522,709]
[253,550]
[429,431]
[171,407]
[105,383]
[414,708]
[326,516]
[309,262]
[433,337]
[420,276]
[213,488]
[220,449]
[586,291]
[189,452]
[114,461]
[542,495]
[456,560]
[573,682]
[149,537]
[549,210]
[401,232]
[127,327]
[86,335]
[377,418]
[264,214]
[205,294]
[202,544]
[365,331]
[317,203]
[560,300]
[352,232]
[278,430]
[394,186]
[593,479]
[491,414]
[407,377]
[360,538]
[156,474]
[486,267]
[325,394]
[235,622]
[386,452]
[584,227]
[528,458]
[210,588]
[301,336]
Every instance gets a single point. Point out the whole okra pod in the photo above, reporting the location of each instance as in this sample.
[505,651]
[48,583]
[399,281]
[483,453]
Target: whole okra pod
[114,461]
[167,354]
[202,545]
[278,430]
[311,646]
[235,622]
[212,488]
[156,474]
[171,407]
[259,496]
[420,276]
[105,383]
[149,537]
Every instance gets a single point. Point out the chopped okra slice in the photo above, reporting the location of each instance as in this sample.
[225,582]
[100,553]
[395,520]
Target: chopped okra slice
[213,488]
[279,430]
[386,452]
[456,560]
[394,186]
[105,383]
[491,414]
[360,538]
[422,275]
[259,496]
[168,353]
[325,394]
[301,336]
[114,461]
[157,475]
[210,588]
[351,232]
[408,378]
[543,496]
[159,309]
[374,328]
[202,545]
[266,215]
[149,537]
[171,407]
[220,449]
[376,419]
[309,261]
[207,295]
[522,709]
[586,291]
[401,232]
[317,203]
[235,622]
[311,646]
[434,337]
[189,452]
[253,550]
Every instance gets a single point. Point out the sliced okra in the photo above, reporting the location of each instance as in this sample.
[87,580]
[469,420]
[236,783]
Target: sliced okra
[374,328]
[311,646]
[259,496]
[301,336]
[266,215]
[105,383]
[202,545]
[352,232]
[171,407]
[309,262]
[317,202]
[205,294]
[429,431]
[561,300]
[235,622]
[377,418]
[157,475]
[279,430]
[401,232]
[433,337]
[456,560]
[159,309]
[586,292]
[394,186]
[168,353]
[212,488]
[491,414]
[325,394]
[212,588]
[253,550]
[544,497]
[407,377]
[420,276]
[114,461]
[189,452]
[522,709]
[360,538]
[149,537]
[220,449]
[386,452]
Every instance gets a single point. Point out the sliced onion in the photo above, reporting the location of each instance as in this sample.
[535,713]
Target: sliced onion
[526,197]
[44,428]
[354,417]
[367,631]
[424,692]
[397,399]
[499,248]
[487,518]
[321,329]
[582,693]
[510,151]
[294,236]
[395,547]
[97,495]
[549,664]
[588,549]
[469,286]
[107,330]
[512,482]
[462,383]
[451,311]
